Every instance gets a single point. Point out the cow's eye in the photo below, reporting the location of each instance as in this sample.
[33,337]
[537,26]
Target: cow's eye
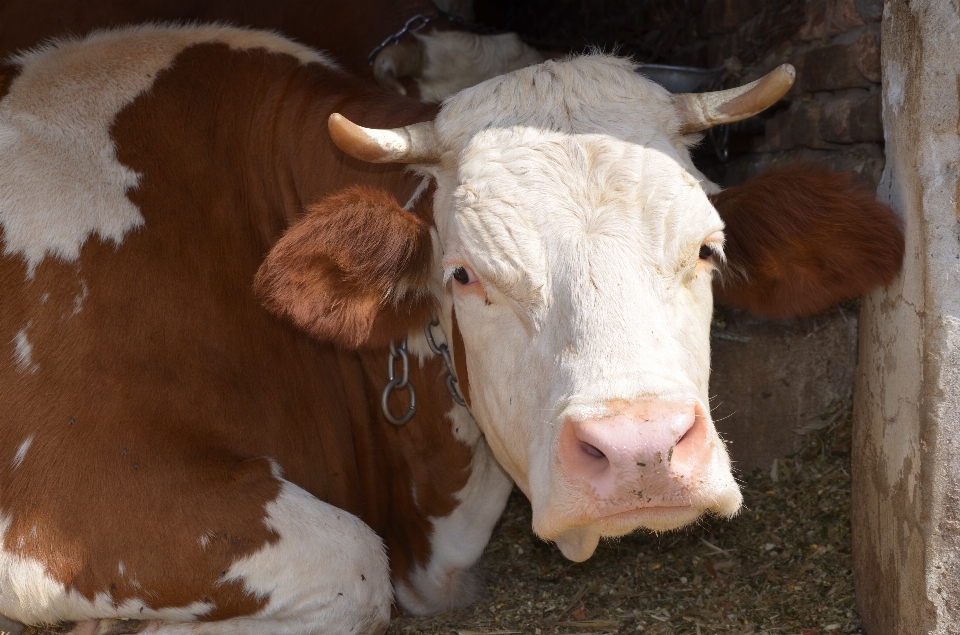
[705,252]
[461,275]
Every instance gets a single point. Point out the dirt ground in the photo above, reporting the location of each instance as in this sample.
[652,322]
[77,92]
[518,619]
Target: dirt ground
[783,566]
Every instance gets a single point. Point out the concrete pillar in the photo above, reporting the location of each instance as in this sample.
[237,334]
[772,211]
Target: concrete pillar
[906,446]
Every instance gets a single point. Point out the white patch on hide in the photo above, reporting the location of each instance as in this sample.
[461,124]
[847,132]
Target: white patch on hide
[60,180]
[328,572]
[21,452]
[457,59]
[79,299]
[23,352]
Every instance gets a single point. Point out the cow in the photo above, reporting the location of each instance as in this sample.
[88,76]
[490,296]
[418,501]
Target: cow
[266,369]
[434,55]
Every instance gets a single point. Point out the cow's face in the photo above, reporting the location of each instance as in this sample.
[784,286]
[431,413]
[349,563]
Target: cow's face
[576,268]
[573,251]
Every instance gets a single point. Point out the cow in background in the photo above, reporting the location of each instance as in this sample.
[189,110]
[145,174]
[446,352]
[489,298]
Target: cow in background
[435,62]
[176,457]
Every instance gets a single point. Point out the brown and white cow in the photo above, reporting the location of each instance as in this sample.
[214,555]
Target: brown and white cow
[432,63]
[175,455]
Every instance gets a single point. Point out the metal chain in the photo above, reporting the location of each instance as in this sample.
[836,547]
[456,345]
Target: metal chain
[399,383]
[444,351]
[403,381]
[419,21]
[412,25]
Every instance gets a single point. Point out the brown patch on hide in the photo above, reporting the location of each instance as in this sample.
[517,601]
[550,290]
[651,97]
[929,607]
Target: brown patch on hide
[8,73]
[801,239]
[460,360]
[353,271]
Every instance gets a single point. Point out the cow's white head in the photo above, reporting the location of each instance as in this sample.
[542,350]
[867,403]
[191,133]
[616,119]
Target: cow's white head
[577,244]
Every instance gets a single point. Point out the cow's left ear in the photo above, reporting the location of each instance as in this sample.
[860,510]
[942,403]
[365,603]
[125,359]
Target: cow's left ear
[801,239]
[354,271]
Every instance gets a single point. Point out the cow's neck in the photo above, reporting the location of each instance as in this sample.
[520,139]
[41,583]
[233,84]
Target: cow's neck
[308,166]
[451,507]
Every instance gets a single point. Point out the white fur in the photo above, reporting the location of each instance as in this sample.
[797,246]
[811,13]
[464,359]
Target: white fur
[450,579]
[21,452]
[458,59]
[60,180]
[568,190]
[23,351]
[327,573]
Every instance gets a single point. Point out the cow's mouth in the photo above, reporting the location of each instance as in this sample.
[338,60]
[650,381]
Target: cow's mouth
[578,542]
[655,518]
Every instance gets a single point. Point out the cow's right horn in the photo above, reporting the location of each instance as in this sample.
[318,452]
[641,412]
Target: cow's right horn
[416,143]
[699,111]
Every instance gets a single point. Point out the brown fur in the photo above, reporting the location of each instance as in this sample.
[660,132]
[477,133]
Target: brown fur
[460,360]
[8,73]
[801,239]
[352,272]
[154,406]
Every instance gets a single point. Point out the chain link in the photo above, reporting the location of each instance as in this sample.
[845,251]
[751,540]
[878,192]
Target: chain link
[412,25]
[444,351]
[402,382]
[417,22]
[399,383]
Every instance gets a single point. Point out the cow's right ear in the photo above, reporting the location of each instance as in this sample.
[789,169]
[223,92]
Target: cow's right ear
[354,271]
[801,239]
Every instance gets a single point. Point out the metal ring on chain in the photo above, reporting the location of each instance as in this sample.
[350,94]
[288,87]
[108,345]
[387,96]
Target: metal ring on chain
[398,383]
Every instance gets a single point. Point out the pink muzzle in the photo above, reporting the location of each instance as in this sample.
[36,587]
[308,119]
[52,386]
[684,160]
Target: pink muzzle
[648,454]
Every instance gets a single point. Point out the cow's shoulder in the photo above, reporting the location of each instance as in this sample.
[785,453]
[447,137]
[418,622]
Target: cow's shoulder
[60,179]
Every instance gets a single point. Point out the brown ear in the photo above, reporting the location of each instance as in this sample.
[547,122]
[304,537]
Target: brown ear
[801,239]
[354,271]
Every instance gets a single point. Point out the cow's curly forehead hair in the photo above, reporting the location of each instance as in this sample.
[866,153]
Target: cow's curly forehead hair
[589,94]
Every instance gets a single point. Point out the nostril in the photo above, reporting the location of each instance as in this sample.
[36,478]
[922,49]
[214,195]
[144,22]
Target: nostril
[692,445]
[591,450]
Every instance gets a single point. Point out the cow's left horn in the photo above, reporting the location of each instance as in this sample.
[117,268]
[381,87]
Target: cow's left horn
[416,143]
[699,111]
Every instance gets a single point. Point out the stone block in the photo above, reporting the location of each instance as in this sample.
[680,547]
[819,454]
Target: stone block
[815,26]
[833,67]
[773,381]
[797,127]
[852,120]
[724,16]
[868,56]
[870,10]
[842,16]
